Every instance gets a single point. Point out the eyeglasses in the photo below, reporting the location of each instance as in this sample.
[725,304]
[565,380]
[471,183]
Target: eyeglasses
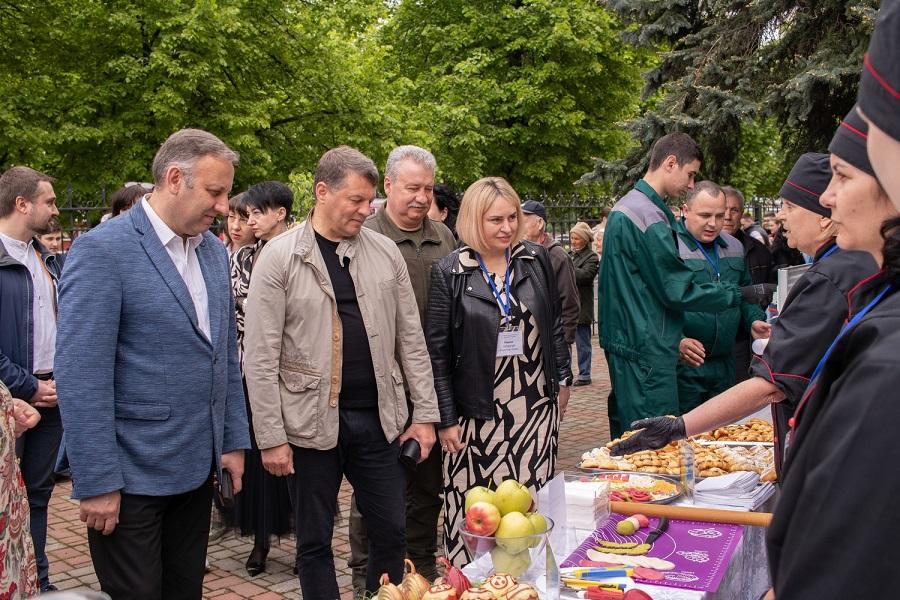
[143,185]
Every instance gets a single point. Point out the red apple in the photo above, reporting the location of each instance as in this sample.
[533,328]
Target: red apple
[482,518]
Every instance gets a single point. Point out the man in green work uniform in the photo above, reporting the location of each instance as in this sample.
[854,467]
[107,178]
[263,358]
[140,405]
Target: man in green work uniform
[707,361]
[646,288]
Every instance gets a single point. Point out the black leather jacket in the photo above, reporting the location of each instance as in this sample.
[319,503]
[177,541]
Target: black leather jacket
[463,322]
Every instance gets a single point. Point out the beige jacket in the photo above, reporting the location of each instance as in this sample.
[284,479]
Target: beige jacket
[292,339]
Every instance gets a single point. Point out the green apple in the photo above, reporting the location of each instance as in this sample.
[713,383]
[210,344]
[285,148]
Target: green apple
[479,494]
[512,496]
[540,526]
[513,564]
[514,534]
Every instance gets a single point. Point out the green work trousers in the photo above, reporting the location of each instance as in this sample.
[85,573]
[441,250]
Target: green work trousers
[696,385]
[640,389]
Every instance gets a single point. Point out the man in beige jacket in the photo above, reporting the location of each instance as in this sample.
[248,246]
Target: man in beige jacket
[330,307]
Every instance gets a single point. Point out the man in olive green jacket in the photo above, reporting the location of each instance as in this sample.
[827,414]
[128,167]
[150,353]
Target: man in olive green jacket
[706,367]
[409,186]
[646,288]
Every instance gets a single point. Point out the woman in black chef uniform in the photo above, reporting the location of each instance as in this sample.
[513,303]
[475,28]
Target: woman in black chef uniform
[813,313]
[835,531]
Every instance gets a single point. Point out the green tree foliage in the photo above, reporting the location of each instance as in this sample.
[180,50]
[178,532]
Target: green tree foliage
[92,87]
[526,89]
[733,69]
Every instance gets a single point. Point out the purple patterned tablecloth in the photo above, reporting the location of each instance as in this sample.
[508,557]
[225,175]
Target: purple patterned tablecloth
[700,551]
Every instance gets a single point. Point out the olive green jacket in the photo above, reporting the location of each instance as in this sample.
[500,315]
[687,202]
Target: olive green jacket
[437,242]
[586,264]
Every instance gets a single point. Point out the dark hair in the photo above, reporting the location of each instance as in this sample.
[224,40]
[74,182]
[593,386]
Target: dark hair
[705,186]
[890,231]
[445,197]
[678,144]
[268,195]
[19,181]
[236,203]
[126,196]
[53,226]
[770,214]
[334,166]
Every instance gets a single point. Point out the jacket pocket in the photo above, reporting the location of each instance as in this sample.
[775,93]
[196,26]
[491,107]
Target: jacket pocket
[141,411]
[300,402]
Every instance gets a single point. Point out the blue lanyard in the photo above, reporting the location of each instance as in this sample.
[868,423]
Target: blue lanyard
[709,259]
[847,327]
[831,251]
[504,306]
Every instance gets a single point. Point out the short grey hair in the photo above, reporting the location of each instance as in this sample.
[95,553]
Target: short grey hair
[408,152]
[337,163]
[706,186]
[184,148]
[731,192]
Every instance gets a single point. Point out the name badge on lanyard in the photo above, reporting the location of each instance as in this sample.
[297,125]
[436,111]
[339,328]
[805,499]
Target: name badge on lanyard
[509,340]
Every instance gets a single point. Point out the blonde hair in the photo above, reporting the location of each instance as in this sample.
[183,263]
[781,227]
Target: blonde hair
[476,201]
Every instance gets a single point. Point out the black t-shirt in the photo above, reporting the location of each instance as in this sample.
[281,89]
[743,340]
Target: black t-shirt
[358,387]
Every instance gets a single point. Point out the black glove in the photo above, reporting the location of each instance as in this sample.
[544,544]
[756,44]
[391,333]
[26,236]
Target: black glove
[760,293]
[656,433]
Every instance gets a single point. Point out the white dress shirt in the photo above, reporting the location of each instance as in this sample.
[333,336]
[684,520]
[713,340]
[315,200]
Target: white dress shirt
[42,305]
[183,253]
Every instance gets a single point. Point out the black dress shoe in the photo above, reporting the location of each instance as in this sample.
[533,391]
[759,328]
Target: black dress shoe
[49,588]
[579,382]
[256,562]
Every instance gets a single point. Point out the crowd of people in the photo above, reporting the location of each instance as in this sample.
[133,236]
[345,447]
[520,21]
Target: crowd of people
[426,348]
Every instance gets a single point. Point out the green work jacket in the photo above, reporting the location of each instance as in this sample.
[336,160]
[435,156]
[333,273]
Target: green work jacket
[645,287]
[717,330]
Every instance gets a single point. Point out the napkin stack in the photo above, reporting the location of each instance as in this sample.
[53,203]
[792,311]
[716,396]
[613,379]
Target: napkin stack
[740,490]
[587,503]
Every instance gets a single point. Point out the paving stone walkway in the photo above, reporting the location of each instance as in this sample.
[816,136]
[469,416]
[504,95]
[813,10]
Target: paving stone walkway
[585,426]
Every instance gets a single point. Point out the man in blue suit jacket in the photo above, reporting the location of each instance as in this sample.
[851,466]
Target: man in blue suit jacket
[148,377]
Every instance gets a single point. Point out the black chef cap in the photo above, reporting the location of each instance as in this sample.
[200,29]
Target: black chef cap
[849,142]
[807,181]
[879,87]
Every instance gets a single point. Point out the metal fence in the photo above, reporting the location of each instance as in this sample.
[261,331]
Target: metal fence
[79,211]
[565,210]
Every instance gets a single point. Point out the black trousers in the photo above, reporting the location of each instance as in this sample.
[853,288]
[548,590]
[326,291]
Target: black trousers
[372,467]
[158,549]
[424,501]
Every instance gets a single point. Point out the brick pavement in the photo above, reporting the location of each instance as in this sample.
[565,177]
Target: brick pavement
[584,427]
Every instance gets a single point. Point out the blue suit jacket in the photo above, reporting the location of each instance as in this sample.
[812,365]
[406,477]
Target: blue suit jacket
[148,402]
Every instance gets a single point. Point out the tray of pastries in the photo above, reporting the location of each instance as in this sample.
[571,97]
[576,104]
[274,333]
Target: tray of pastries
[754,430]
[710,460]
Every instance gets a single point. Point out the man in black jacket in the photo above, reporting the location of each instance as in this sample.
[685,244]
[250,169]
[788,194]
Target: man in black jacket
[762,271]
[28,278]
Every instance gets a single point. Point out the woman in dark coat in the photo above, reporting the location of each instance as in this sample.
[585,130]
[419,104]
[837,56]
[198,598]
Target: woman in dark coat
[586,263]
[498,353]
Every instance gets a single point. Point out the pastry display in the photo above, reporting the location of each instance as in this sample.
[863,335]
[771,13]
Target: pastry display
[754,430]
[710,459]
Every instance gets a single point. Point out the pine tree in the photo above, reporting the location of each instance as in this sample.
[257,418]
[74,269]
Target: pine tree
[731,66]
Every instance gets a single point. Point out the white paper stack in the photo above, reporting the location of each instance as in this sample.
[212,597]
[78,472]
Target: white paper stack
[587,503]
[739,490]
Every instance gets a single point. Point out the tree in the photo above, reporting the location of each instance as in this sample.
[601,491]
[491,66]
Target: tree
[91,88]
[526,89]
[732,68]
